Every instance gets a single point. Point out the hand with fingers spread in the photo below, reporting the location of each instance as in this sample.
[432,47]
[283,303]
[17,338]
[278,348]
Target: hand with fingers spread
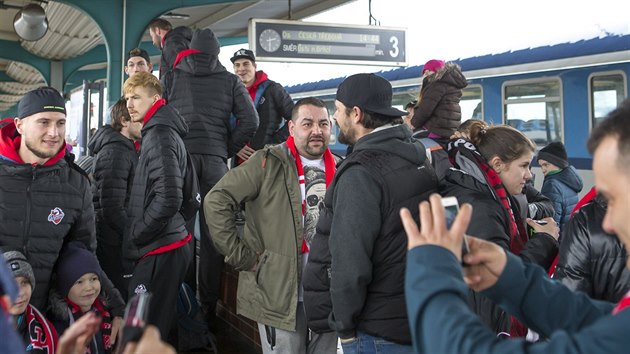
[433,229]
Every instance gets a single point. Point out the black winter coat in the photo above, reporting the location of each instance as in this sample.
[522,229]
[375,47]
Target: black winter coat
[175,41]
[274,108]
[114,166]
[591,260]
[206,95]
[41,208]
[490,221]
[438,109]
[156,194]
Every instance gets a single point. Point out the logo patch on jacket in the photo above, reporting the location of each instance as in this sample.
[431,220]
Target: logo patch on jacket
[140,289]
[56,215]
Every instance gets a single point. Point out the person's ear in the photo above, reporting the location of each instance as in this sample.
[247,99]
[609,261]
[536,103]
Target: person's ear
[291,127]
[358,115]
[19,125]
[497,164]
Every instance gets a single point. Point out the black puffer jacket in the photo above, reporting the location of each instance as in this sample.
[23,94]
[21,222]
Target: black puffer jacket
[41,208]
[175,41]
[156,194]
[591,260]
[274,109]
[114,166]
[206,95]
[438,109]
[490,221]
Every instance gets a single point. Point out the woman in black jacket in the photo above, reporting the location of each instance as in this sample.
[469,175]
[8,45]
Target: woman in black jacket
[490,169]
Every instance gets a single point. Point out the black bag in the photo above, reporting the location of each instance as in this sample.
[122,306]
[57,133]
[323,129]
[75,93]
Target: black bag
[192,196]
[193,329]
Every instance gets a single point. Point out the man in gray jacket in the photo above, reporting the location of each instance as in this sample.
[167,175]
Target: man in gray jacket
[281,186]
[386,170]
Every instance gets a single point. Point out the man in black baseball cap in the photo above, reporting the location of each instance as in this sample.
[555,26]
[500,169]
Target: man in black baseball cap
[138,60]
[45,190]
[386,170]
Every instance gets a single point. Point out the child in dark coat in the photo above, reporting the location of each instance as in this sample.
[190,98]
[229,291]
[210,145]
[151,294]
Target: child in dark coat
[78,291]
[37,333]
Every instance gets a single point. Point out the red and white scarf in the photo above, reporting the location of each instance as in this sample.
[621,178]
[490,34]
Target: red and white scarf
[329,165]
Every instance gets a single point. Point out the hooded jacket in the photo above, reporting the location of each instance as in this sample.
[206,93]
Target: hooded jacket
[438,108]
[206,95]
[562,188]
[114,167]
[274,109]
[156,194]
[386,170]
[591,260]
[41,207]
[490,221]
[173,43]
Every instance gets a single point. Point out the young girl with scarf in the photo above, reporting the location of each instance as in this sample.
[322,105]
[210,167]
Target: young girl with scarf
[490,168]
[78,291]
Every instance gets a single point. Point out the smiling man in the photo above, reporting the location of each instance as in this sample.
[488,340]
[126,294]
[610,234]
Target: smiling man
[45,198]
[156,233]
[276,184]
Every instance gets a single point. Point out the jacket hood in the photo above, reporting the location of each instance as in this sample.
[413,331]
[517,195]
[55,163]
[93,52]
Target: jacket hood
[58,307]
[162,114]
[107,135]
[570,178]
[395,139]
[450,74]
[203,56]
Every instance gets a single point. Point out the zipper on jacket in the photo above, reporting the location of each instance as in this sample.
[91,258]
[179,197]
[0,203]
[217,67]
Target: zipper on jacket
[27,222]
[260,265]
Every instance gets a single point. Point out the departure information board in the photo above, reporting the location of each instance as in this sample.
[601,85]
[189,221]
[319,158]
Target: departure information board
[297,41]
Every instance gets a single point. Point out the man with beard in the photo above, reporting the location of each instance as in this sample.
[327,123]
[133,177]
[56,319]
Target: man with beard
[46,199]
[156,235]
[386,170]
[270,256]
[114,166]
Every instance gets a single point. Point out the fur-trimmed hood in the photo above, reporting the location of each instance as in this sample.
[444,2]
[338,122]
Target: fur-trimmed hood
[451,74]
[58,307]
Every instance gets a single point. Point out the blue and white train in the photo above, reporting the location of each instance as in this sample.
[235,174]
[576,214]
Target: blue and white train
[550,93]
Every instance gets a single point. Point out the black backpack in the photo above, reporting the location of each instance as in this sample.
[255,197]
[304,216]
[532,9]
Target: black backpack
[192,196]
[193,329]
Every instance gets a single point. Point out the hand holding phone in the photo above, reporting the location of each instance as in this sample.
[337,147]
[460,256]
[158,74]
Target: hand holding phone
[135,319]
[451,208]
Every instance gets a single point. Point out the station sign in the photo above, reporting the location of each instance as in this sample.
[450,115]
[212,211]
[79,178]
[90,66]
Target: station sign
[312,42]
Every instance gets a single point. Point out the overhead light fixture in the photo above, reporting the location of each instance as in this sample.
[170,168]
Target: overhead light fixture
[174,15]
[30,23]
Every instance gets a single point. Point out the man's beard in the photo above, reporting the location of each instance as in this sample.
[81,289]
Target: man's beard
[39,153]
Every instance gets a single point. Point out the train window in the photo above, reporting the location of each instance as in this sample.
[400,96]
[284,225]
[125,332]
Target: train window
[471,103]
[607,91]
[533,107]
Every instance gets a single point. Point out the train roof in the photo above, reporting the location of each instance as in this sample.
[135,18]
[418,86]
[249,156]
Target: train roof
[582,48]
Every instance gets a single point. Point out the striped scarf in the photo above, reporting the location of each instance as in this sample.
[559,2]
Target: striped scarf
[329,165]
[106,324]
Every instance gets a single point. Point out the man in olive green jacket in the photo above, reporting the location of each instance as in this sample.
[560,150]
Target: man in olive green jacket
[281,187]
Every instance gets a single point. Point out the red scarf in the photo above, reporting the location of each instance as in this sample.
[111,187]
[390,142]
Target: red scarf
[42,335]
[624,303]
[329,165]
[106,323]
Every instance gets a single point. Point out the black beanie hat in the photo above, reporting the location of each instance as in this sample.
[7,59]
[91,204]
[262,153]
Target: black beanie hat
[555,154]
[75,261]
[43,99]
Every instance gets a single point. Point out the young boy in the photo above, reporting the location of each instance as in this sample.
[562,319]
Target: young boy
[78,291]
[38,334]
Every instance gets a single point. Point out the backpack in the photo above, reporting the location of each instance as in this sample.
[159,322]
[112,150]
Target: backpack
[191,195]
[193,329]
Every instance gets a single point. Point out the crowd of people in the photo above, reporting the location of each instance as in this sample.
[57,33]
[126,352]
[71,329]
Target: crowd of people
[330,249]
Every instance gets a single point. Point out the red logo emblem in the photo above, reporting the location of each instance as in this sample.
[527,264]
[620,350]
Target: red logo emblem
[56,215]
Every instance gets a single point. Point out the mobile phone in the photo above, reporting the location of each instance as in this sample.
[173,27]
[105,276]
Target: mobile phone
[135,319]
[451,208]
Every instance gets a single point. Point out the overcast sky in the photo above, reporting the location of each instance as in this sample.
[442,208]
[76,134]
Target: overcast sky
[462,28]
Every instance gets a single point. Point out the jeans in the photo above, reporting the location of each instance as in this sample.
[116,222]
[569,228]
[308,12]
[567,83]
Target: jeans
[367,344]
